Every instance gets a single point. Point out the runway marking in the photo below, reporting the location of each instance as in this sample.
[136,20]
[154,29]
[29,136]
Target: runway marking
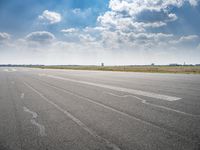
[158,106]
[10,70]
[13,69]
[34,122]
[131,91]
[6,70]
[120,112]
[77,121]
[22,96]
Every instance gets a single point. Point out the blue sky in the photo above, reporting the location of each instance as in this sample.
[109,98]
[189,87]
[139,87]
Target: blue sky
[91,31]
[19,17]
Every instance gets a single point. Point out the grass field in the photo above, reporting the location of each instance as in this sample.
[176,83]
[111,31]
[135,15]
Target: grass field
[152,69]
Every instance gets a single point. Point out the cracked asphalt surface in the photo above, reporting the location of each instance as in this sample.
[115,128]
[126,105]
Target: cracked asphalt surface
[48,109]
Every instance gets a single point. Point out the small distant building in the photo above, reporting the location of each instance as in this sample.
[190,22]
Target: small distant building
[102,64]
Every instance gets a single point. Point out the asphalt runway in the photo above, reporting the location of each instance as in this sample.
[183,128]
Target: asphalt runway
[43,109]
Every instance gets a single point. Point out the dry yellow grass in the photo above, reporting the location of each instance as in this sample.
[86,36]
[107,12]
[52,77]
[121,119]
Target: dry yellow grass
[152,69]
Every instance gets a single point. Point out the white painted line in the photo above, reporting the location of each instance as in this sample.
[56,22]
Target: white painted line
[6,70]
[77,121]
[158,106]
[13,69]
[119,112]
[131,91]
[10,70]
[22,96]
[33,121]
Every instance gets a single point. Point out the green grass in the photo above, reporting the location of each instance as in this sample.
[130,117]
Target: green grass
[151,69]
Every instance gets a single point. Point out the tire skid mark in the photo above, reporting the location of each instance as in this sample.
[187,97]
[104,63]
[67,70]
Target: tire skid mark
[34,122]
[77,121]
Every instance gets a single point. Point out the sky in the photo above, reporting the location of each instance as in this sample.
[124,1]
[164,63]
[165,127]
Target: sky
[88,32]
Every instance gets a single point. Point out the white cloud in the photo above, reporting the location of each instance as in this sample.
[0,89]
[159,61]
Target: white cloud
[122,36]
[133,7]
[124,14]
[185,39]
[188,38]
[114,48]
[86,38]
[4,36]
[76,11]
[128,25]
[94,29]
[134,41]
[40,37]
[121,28]
[113,20]
[172,17]
[124,26]
[77,35]
[50,17]
[194,2]
[82,13]
[69,30]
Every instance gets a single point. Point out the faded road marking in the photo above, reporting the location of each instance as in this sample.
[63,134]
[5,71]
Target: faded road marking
[77,121]
[6,70]
[13,69]
[119,112]
[154,105]
[131,91]
[10,70]
[33,121]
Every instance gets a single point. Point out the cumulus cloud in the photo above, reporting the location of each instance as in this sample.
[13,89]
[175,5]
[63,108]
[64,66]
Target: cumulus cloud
[129,23]
[86,38]
[128,33]
[76,35]
[72,34]
[40,37]
[194,2]
[69,30]
[50,17]
[82,13]
[133,7]
[119,40]
[186,41]
[139,15]
[188,38]
[4,36]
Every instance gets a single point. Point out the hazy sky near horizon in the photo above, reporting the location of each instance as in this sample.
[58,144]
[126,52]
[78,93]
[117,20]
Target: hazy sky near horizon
[88,32]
